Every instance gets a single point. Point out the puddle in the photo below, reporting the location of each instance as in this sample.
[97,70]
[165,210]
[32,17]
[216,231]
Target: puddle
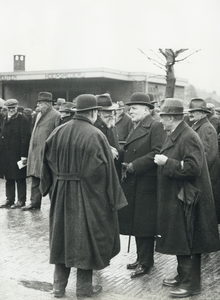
[37,285]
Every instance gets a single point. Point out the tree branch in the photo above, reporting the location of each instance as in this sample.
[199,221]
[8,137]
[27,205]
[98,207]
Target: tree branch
[153,60]
[188,55]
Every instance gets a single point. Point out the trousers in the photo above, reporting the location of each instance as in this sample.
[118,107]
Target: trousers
[83,282]
[145,250]
[21,190]
[36,196]
[189,272]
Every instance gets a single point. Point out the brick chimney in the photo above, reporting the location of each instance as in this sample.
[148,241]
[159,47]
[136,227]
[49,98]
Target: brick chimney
[19,63]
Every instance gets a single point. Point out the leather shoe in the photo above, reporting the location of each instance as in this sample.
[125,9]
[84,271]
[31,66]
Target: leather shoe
[96,289]
[7,204]
[170,282]
[182,293]
[140,270]
[58,293]
[19,204]
[29,207]
[133,265]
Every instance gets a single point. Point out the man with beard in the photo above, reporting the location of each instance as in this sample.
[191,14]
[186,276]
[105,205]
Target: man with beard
[208,135]
[186,219]
[79,171]
[106,122]
[14,143]
[139,182]
[47,120]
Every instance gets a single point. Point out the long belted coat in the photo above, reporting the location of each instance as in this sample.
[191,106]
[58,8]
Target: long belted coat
[192,177]
[208,136]
[140,188]
[43,127]
[85,196]
[14,144]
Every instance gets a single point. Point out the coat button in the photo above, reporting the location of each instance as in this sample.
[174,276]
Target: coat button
[134,151]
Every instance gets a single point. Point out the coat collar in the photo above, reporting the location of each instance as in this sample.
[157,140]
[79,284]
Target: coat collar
[9,120]
[82,118]
[198,124]
[169,142]
[140,130]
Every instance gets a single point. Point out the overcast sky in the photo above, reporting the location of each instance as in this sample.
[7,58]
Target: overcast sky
[68,34]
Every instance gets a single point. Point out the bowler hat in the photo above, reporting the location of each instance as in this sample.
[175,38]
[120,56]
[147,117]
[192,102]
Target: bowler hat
[198,104]
[172,106]
[105,101]
[67,107]
[141,99]
[86,102]
[152,101]
[11,103]
[45,96]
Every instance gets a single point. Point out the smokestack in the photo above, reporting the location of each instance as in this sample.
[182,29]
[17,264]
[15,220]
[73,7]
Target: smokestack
[19,62]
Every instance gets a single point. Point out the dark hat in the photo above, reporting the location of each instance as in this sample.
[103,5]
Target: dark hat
[28,111]
[141,99]
[198,104]
[21,109]
[172,106]
[86,102]
[11,103]
[152,101]
[67,107]
[45,96]
[105,101]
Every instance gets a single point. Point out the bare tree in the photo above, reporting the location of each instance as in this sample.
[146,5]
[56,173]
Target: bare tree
[170,56]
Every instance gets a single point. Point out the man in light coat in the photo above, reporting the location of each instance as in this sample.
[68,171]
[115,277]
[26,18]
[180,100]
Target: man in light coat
[47,120]
[85,197]
[186,220]
[140,182]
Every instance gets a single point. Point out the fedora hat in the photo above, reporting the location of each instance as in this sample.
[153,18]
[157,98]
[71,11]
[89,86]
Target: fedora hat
[141,99]
[67,107]
[172,106]
[45,96]
[198,104]
[105,101]
[11,103]
[86,102]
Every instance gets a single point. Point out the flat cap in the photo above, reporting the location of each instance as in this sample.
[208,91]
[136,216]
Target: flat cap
[11,103]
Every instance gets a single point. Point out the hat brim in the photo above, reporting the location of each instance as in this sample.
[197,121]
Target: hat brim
[199,109]
[141,103]
[44,100]
[171,113]
[89,108]
[112,107]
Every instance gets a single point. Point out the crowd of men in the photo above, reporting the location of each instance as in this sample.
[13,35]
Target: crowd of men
[142,171]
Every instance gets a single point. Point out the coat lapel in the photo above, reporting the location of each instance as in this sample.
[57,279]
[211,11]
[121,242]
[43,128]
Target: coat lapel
[196,126]
[140,130]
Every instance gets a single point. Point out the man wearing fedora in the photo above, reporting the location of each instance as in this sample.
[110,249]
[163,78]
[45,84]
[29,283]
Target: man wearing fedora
[198,115]
[66,112]
[14,143]
[123,123]
[85,198]
[139,182]
[47,120]
[186,219]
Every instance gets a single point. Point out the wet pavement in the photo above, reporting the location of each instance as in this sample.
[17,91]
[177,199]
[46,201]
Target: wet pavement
[25,272]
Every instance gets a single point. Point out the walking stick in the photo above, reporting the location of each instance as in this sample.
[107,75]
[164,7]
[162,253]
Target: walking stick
[132,217]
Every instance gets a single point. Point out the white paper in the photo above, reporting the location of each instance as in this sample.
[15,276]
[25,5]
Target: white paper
[20,164]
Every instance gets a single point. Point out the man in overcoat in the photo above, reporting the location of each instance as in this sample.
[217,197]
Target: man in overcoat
[85,197]
[47,120]
[208,135]
[14,143]
[139,182]
[186,219]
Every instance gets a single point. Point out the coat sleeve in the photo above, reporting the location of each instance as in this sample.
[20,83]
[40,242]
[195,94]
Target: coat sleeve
[146,163]
[25,136]
[46,179]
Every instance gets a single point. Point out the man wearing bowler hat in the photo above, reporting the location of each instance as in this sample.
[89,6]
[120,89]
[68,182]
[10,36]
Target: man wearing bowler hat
[47,120]
[198,115]
[186,219]
[139,182]
[85,198]
[14,143]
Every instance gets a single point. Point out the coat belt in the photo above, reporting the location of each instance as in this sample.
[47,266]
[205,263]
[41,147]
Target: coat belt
[68,176]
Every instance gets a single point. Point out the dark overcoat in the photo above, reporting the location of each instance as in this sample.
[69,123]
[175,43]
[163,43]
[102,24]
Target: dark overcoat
[209,138]
[14,143]
[192,177]
[43,127]
[85,196]
[124,126]
[140,188]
